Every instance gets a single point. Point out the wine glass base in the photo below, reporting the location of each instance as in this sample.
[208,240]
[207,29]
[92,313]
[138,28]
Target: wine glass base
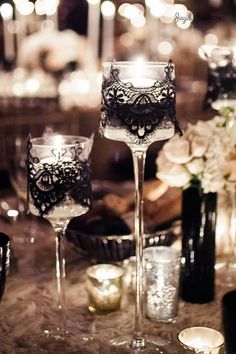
[67,342]
[123,345]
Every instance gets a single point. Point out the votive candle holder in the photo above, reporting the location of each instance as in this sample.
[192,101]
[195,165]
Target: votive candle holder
[104,287]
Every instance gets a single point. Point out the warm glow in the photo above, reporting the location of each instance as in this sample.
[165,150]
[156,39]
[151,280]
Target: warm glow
[211,39]
[6,11]
[18,89]
[180,9]
[47,25]
[32,85]
[83,86]
[138,21]
[45,7]
[12,213]
[58,141]
[183,25]
[151,3]
[140,8]
[131,11]
[127,39]
[158,11]
[39,8]
[108,9]
[93,2]
[25,8]
[165,48]
[197,343]
[121,9]
[205,50]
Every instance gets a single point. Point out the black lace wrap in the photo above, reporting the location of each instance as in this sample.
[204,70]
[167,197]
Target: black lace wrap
[50,184]
[139,110]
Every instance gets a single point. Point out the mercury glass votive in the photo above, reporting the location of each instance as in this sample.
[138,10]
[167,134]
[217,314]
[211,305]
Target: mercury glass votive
[162,268]
[201,340]
[104,286]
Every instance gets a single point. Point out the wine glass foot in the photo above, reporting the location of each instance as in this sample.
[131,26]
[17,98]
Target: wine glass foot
[68,342]
[123,345]
[227,275]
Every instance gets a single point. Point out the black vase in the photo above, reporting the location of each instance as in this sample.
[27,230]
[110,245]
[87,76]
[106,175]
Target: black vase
[4,261]
[198,245]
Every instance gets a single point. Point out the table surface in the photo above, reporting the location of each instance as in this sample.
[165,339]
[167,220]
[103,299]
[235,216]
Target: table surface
[29,303]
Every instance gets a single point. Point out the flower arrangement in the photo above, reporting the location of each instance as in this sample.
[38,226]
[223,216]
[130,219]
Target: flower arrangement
[205,155]
[53,50]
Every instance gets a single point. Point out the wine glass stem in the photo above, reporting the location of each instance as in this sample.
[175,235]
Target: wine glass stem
[139,163]
[60,276]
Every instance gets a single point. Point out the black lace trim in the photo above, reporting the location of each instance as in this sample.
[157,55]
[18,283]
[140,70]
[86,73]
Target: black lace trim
[221,82]
[50,184]
[139,110]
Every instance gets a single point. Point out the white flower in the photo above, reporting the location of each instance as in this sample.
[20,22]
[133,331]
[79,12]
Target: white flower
[53,50]
[199,145]
[173,174]
[176,176]
[206,152]
[195,166]
[229,166]
[178,150]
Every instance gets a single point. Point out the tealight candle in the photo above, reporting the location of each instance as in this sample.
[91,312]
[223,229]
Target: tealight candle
[104,286]
[202,340]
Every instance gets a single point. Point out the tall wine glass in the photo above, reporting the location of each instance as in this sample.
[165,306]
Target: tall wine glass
[138,108]
[59,189]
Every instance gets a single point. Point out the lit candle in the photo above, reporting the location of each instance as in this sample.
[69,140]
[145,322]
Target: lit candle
[138,75]
[108,13]
[93,31]
[7,14]
[104,285]
[202,340]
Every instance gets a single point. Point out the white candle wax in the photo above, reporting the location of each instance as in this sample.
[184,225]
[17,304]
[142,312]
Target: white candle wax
[93,31]
[140,82]
[21,29]
[108,13]
[7,14]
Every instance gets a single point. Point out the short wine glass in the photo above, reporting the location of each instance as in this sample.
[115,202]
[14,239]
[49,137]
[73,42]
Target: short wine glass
[138,108]
[221,90]
[59,188]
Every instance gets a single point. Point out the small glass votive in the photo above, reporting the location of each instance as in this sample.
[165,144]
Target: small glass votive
[201,340]
[162,268]
[104,286]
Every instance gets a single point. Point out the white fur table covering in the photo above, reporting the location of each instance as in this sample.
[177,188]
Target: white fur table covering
[29,303]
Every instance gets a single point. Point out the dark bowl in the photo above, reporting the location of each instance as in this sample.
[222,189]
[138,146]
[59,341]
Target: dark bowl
[106,237]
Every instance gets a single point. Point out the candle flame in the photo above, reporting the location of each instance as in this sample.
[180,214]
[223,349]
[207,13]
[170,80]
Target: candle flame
[58,142]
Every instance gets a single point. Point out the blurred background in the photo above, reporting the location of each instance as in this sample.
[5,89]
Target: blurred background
[51,54]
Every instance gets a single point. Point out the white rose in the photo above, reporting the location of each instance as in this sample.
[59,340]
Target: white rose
[176,176]
[229,170]
[199,145]
[195,166]
[163,164]
[202,128]
[177,150]
[212,185]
